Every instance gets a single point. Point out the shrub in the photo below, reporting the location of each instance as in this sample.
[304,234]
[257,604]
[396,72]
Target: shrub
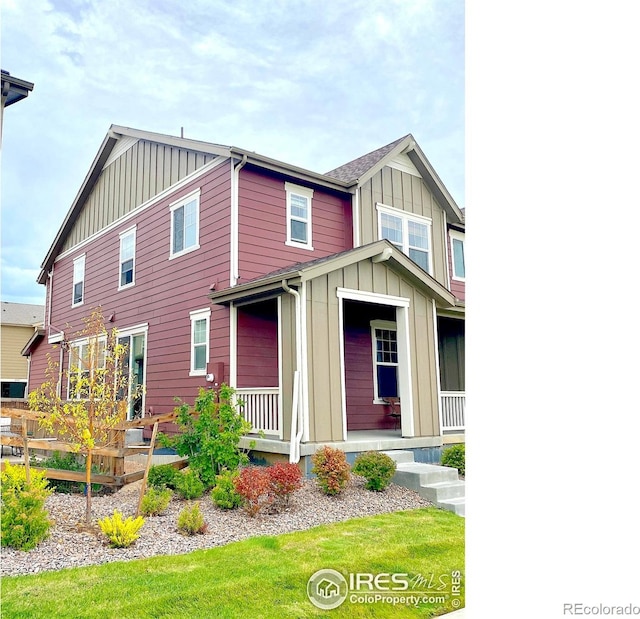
[191,521]
[121,533]
[454,456]
[162,476]
[188,485]
[210,434]
[224,494]
[253,484]
[284,479]
[67,462]
[155,501]
[332,469]
[25,522]
[377,468]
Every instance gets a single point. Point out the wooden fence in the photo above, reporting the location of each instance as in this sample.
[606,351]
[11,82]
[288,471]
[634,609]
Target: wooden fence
[27,436]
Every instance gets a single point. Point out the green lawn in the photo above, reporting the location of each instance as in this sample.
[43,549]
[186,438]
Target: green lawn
[262,577]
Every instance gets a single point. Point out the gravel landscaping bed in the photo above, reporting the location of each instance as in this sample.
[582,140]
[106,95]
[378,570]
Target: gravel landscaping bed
[69,547]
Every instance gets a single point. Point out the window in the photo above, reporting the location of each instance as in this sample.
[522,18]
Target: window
[199,342]
[457,255]
[299,216]
[185,224]
[384,337]
[127,258]
[78,281]
[84,359]
[133,366]
[411,234]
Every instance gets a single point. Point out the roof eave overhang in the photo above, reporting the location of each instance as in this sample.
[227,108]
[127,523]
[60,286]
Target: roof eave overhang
[14,89]
[34,340]
[383,250]
[293,171]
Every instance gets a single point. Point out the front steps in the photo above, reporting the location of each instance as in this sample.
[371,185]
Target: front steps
[438,484]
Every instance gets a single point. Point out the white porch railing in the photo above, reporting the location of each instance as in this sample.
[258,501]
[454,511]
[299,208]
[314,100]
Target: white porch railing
[452,406]
[261,409]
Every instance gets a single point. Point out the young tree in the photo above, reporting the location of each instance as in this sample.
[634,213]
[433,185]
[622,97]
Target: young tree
[98,394]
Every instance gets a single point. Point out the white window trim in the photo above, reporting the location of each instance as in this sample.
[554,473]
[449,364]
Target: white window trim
[77,260]
[391,326]
[203,314]
[454,234]
[79,343]
[307,193]
[405,217]
[183,201]
[130,332]
[123,235]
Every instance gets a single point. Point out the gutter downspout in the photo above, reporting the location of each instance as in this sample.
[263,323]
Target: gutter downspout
[296,434]
[50,287]
[234,276]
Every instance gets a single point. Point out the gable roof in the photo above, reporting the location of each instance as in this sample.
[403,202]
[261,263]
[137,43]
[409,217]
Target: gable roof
[22,314]
[352,171]
[346,178]
[304,271]
[360,170]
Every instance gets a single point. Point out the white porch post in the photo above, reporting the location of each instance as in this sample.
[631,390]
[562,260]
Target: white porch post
[405,382]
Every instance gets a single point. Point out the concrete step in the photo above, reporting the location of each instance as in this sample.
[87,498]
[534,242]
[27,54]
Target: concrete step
[454,505]
[442,490]
[438,484]
[400,456]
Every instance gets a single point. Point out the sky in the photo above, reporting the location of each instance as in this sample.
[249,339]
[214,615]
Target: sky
[314,84]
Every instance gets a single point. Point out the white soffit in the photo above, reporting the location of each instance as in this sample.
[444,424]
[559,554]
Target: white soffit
[123,145]
[404,164]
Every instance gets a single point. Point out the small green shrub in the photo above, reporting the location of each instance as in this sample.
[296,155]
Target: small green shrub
[454,456]
[191,520]
[67,462]
[377,468]
[162,476]
[188,485]
[25,522]
[224,494]
[254,486]
[121,533]
[155,501]
[332,469]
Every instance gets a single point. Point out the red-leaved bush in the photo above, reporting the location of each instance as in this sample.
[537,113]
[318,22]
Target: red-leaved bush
[285,479]
[254,486]
[332,469]
[269,487]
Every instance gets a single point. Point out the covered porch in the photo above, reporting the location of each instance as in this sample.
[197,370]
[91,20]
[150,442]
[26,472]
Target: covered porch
[318,350]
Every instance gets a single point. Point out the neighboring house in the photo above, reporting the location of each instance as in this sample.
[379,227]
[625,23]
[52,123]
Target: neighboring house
[13,90]
[317,296]
[21,324]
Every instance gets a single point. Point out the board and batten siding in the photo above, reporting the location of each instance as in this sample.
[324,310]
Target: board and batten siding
[408,193]
[165,290]
[138,174]
[263,224]
[323,348]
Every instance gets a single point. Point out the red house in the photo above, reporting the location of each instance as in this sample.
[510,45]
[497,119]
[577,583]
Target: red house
[320,297]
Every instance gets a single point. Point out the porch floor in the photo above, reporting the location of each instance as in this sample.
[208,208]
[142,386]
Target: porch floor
[357,440]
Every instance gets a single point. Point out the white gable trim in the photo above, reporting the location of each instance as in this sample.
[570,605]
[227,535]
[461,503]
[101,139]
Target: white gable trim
[404,164]
[121,147]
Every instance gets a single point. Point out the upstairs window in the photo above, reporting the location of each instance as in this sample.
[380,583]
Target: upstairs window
[410,233]
[457,255]
[78,281]
[299,216]
[185,224]
[127,258]
[199,341]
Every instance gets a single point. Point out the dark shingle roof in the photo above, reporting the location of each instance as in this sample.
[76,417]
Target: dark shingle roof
[355,169]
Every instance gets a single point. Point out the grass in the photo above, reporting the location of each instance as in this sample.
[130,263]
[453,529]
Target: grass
[260,577]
